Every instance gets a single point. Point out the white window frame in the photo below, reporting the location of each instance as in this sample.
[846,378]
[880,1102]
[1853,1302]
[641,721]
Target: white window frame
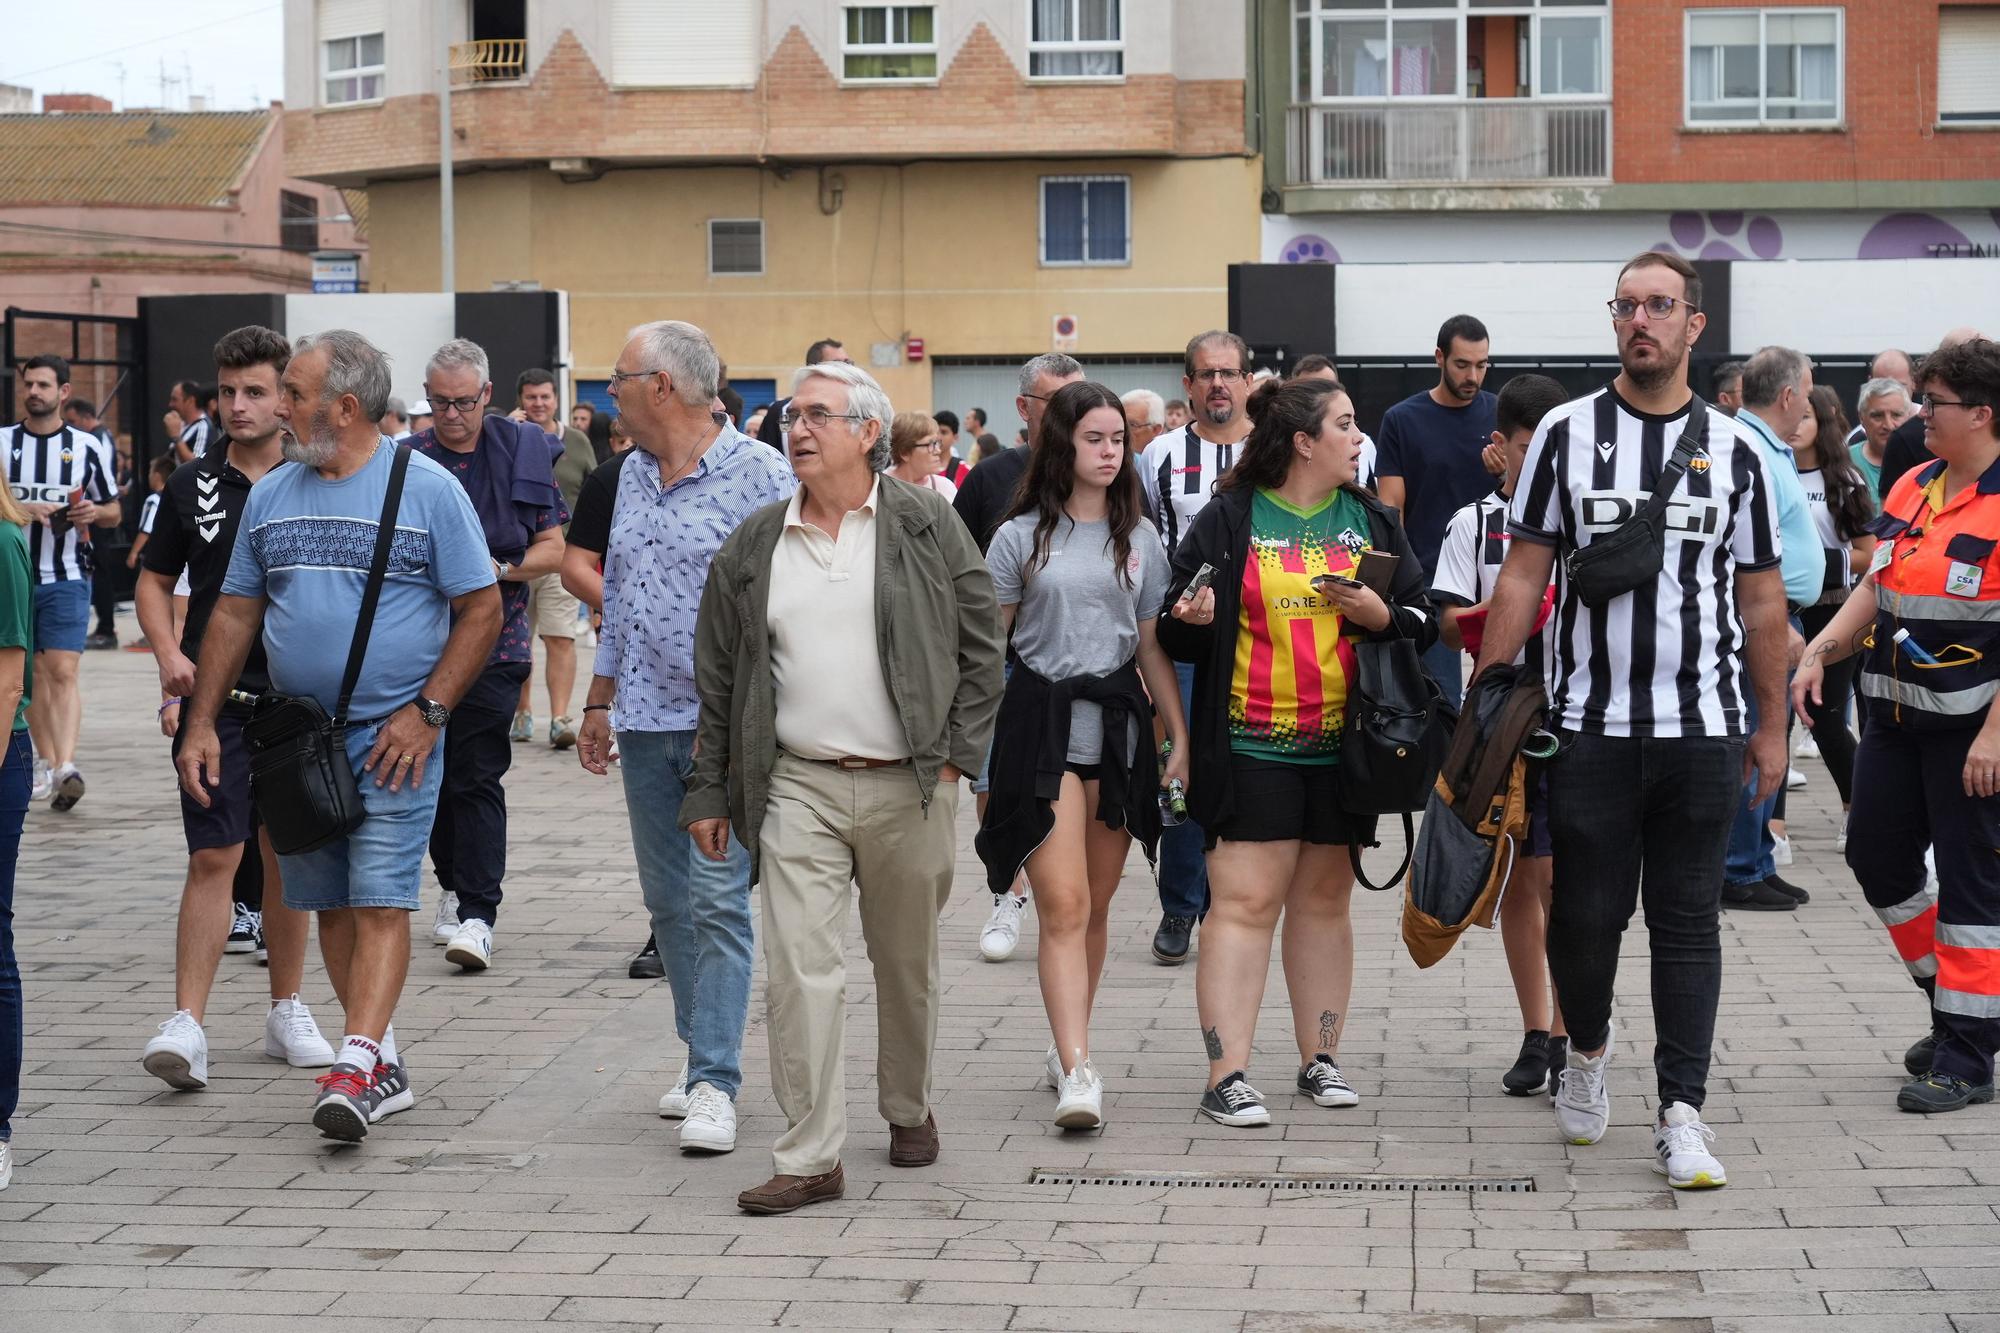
[1042,221]
[1314,11]
[1958,120]
[1075,47]
[327,73]
[1760,119]
[713,272]
[848,48]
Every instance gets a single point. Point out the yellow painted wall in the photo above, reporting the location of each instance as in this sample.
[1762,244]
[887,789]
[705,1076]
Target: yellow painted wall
[943,251]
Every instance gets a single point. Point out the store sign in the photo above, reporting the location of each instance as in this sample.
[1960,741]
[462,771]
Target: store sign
[336,272]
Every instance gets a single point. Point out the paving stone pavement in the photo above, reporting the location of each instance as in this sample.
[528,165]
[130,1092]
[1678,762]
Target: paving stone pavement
[534,1182]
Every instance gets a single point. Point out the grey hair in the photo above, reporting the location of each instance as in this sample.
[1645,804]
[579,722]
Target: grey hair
[1056,365]
[353,365]
[1879,388]
[397,408]
[864,395]
[688,357]
[1769,372]
[1151,404]
[460,354]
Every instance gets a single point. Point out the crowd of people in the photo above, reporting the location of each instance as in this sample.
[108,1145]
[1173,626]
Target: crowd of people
[1143,624]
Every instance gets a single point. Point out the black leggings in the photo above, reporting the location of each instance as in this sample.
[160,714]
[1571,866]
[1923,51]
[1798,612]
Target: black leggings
[1829,716]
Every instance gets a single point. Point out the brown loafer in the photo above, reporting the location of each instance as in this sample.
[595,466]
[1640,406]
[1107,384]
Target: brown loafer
[914,1146]
[785,1194]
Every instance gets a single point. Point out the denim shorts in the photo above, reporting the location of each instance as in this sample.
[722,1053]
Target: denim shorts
[381,863]
[62,615]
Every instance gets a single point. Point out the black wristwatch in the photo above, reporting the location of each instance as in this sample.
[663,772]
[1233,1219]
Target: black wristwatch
[434,713]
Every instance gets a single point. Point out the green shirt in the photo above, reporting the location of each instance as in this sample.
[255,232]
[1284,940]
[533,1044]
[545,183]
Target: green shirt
[17,609]
[1872,471]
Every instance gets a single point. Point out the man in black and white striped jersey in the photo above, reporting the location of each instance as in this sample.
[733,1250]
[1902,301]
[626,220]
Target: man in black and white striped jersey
[1648,695]
[66,480]
[189,423]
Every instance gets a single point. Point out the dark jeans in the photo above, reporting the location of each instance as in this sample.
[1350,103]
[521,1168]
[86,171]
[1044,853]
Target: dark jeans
[1447,667]
[1909,794]
[469,839]
[15,777]
[1183,868]
[1829,719]
[1637,820]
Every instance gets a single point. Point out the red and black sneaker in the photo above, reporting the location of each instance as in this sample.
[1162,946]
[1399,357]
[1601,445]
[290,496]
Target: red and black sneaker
[342,1109]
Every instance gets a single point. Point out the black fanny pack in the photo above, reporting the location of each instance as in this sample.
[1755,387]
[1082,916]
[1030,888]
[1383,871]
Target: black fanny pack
[301,781]
[1631,555]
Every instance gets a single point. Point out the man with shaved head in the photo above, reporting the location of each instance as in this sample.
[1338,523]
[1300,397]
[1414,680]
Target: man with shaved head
[1906,449]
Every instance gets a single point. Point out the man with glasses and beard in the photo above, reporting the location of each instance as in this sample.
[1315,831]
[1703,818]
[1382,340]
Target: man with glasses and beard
[1649,701]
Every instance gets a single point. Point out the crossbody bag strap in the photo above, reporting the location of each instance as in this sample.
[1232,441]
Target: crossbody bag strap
[1677,463]
[371,594]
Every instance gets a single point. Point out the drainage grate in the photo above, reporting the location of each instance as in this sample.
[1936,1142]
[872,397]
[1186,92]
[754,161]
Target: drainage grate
[1321,1184]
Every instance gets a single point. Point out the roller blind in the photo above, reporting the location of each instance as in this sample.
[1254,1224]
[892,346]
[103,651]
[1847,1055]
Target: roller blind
[352,18]
[1969,63]
[683,44]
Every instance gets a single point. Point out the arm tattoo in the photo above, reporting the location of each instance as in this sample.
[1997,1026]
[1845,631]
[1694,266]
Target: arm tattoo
[1213,1043]
[1329,1025]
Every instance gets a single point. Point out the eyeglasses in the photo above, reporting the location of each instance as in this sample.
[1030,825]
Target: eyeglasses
[1221,376]
[619,376]
[817,417]
[1930,402]
[457,406]
[1658,307]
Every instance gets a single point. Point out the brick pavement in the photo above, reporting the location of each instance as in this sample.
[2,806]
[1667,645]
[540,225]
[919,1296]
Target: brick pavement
[533,1181]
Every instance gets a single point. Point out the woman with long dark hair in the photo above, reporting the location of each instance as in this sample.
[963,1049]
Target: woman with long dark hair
[1080,576]
[1273,673]
[1842,507]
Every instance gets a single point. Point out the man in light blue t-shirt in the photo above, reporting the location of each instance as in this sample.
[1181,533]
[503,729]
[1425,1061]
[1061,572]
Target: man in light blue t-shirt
[303,551]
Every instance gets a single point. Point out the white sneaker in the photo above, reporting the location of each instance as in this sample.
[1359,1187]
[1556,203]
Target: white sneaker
[1781,851]
[291,1035]
[711,1120]
[1794,780]
[1052,1068]
[6,1164]
[1680,1149]
[472,947]
[446,924]
[1583,1104]
[1080,1104]
[1840,838]
[179,1055]
[68,788]
[44,784]
[1003,928]
[1807,748]
[674,1105]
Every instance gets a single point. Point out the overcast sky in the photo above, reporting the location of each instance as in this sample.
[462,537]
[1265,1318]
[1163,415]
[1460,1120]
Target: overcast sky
[229,51]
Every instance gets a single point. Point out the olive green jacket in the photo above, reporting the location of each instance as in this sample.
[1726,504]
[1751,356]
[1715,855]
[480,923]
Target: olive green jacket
[937,632]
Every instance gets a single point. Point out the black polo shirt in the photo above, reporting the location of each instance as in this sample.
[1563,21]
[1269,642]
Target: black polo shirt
[196,530]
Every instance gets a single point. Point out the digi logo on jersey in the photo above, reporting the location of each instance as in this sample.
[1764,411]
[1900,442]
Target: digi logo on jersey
[54,493]
[1688,518]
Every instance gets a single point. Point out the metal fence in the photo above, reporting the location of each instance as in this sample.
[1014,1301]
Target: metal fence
[1497,140]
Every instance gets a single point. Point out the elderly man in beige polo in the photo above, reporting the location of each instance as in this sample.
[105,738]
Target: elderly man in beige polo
[835,749]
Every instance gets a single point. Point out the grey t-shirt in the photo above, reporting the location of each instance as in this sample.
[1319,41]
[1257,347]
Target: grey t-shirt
[1076,616]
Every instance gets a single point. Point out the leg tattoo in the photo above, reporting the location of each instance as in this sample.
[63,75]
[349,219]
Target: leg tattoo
[1213,1042]
[1329,1025]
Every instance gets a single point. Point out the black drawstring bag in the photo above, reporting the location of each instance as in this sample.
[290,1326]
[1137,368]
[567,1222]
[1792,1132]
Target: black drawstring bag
[1398,729]
[300,778]
[1631,555]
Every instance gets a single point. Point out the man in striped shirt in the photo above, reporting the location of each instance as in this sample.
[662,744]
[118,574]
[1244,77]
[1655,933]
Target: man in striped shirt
[1649,699]
[64,478]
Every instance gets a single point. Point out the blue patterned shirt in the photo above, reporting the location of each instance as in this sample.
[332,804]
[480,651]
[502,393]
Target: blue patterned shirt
[656,564]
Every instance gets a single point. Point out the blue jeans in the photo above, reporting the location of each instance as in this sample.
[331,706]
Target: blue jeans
[15,773]
[1183,868]
[1447,668]
[700,908]
[1750,859]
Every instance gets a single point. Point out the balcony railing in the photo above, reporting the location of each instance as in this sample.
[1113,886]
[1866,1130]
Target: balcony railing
[1495,141]
[491,61]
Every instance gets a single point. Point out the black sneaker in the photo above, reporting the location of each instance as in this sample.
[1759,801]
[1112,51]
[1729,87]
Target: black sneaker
[1234,1102]
[1558,1060]
[390,1091]
[1170,941]
[1530,1073]
[100,641]
[1936,1092]
[1918,1058]
[1790,890]
[343,1107]
[242,931]
[1757,896]
[1325,1084]
[646,965]
[262,955]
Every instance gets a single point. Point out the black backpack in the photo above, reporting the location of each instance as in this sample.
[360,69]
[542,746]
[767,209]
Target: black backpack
[1399,727]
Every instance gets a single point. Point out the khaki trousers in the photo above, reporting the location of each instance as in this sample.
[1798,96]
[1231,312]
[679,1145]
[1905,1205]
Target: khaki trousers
[825,827]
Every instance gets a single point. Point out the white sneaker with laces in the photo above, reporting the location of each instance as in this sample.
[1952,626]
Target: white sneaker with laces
[472,947]
[6,1164]
[1080,1104]
[1583,1104]
[711,1120]
[1807,748]
[1003,929]
[291,1035]
[179,1055]
[446,924]
[1680,1149]
[674,1105]
[43,784]
[1052,1068]
[1781,851]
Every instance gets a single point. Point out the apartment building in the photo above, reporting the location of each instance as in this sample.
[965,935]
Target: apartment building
[947,188]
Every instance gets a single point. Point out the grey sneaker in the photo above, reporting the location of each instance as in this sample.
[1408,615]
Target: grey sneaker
[1583,1104]
[345,1103]
[390,1092]
[1234,1102]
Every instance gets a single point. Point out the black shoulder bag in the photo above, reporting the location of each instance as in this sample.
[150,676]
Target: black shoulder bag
[1399,728]
[1630,556]
[301,780]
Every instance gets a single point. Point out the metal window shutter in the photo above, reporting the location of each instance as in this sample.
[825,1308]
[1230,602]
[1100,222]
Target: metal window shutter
[352,18]
[1969,63]
[683,44]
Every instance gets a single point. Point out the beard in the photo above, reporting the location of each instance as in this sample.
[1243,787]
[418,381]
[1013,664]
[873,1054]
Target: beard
[317,450]
[1219,416]
[1658,374]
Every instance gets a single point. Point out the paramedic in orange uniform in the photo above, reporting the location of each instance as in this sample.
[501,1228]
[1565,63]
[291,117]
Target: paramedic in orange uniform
[1927,622]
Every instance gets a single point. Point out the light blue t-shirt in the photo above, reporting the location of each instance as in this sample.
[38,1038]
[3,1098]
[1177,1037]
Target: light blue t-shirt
[1801,558]
[306,543]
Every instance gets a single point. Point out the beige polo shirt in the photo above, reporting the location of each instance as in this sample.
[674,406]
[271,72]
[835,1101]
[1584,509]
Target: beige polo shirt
[833,702]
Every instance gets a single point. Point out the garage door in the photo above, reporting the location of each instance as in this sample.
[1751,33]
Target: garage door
[991,383]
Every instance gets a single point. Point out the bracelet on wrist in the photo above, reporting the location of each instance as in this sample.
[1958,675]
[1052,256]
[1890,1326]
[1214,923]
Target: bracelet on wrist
[161,711]
[597,708]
